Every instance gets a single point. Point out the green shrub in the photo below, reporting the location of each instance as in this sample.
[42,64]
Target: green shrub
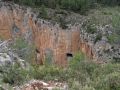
[63,23]
[43,12]
[109,2]
[14,75]
[1,37]
[46,72]
[91,28]
[114,38]
[109,82]
[81,74]
[74,5]
[116,20]
[24,50]
[75,62]
[20,43]
[75,85]
[25,2]
[98,38]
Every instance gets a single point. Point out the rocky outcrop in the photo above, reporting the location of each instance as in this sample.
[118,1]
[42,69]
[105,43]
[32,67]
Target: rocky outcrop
[103,50]
[8,57]
[51,41]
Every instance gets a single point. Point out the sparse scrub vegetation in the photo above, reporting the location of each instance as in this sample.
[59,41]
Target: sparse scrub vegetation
[114,38]
[14,75]
[80,74]
[43,12]
[104,17]
[24,50]
[91,28]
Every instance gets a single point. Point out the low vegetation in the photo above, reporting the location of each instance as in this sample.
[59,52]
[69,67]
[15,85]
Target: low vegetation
[14,75]
[81,74]
[24,50]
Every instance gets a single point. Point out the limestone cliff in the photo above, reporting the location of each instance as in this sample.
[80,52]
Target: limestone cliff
[50,40]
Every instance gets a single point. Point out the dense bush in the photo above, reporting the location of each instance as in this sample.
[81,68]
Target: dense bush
[46,72]
[43,12]
[13,75]
[109,2]
[74,5]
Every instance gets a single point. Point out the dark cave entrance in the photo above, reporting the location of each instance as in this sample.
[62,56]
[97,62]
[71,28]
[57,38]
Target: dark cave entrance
[69,56]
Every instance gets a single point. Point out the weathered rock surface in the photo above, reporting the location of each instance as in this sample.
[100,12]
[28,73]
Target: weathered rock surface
[50,39]
[7,56]
[103,50]
[17,21]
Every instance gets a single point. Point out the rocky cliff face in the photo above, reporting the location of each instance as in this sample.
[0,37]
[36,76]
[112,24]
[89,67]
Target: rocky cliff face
[51,41]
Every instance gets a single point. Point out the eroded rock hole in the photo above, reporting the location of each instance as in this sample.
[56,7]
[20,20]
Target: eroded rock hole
[69,56]
[37,51]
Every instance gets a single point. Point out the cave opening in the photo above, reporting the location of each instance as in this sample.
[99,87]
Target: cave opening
[69,56]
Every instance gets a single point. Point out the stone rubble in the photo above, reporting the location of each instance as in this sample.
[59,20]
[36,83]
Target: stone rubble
[41,85]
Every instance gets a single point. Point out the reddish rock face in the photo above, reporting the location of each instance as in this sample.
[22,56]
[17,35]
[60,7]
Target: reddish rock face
[55,42]
[50,40]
